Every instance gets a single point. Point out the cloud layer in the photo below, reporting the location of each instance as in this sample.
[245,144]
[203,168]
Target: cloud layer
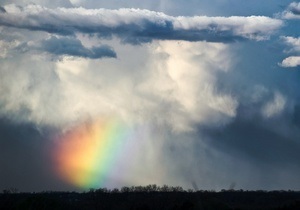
[137,26]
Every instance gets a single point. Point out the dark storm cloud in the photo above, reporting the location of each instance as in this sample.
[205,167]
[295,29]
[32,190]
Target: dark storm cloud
[138,26]
[252,141]
[24,158]
[66,46]
[2,10]
[266,128]
[73,47]
[255,156]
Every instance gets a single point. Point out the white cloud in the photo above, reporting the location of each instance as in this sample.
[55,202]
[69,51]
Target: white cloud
[6,47]
[183,79]
[292,42]
[292,61]
[292,12]
[252,27]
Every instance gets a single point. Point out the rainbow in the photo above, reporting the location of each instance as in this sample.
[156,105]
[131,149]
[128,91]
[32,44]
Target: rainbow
[88,154]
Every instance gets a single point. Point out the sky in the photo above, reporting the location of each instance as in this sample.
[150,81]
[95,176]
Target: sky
[202,94]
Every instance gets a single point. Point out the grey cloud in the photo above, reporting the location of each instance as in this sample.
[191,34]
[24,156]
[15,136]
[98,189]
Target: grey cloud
[138,26]
[270,160]
[262,149]
[293,11]
[252,141]
[65,46]
[267,149]
[73,47]
[2,10]
[295,8]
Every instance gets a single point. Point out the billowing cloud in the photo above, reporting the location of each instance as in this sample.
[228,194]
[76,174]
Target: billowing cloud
[293,11]
[137,26]
[175,87]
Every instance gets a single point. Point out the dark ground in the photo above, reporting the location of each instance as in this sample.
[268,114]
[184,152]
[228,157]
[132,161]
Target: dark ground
[145,198]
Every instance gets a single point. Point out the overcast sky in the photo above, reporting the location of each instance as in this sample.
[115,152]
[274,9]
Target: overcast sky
[198,93]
